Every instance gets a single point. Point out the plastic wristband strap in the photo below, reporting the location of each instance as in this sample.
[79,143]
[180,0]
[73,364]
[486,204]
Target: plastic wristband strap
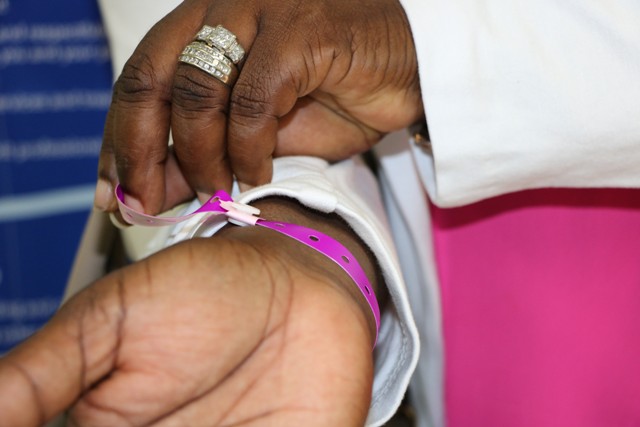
[240,214]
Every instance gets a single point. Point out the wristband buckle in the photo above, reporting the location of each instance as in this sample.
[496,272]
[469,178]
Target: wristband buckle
[239,213]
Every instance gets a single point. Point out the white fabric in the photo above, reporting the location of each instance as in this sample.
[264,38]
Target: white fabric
[523,94]
[408,212]
[518,94]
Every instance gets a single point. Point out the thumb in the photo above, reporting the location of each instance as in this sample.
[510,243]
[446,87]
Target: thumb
[43,376]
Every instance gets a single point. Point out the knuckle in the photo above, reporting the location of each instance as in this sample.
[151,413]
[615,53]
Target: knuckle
[131,157]
[193,91]
[138,79]
[249,101]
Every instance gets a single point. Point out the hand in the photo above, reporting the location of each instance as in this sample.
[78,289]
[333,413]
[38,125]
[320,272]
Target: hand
[248,327]
[321,77]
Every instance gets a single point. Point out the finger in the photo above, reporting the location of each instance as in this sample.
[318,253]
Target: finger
[199,117]
[275,74]
[142,114]
[200,106]
[46,374]
[177,191]
[107,174]
[177,188]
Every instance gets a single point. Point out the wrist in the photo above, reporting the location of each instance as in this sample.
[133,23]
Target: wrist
[281,209]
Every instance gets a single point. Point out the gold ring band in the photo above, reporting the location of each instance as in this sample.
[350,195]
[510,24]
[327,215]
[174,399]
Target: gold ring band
[210,60]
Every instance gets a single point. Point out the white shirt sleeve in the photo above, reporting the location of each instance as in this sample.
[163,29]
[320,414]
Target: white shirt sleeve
[527,94]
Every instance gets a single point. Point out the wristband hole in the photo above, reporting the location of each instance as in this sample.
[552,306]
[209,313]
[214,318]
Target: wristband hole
[278,224]
[366,288]
[346,259]
[314,238]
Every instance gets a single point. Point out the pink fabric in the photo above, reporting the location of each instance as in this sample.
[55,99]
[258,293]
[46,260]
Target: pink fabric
[541,309]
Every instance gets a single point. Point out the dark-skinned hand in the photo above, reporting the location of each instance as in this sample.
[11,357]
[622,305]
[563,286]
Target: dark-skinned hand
[321,77]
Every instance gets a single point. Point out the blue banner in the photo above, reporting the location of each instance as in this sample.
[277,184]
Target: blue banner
[55,88]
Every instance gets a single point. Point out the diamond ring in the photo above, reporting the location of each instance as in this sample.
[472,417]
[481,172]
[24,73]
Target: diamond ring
[222,39]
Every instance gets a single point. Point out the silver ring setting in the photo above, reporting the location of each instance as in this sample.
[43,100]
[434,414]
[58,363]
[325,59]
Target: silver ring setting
[222,39]
[210,60]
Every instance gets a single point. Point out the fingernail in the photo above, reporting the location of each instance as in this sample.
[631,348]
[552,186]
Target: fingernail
[133,203]
[103,196]
[244,187]
[203,197]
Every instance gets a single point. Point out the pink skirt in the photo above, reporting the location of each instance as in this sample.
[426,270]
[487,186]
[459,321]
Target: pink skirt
[541,309]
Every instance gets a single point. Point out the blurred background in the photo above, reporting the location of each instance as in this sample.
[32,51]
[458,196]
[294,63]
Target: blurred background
[55,87]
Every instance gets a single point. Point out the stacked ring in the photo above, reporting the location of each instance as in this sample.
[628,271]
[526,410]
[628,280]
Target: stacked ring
[210,60]
[222,39]
[215,51]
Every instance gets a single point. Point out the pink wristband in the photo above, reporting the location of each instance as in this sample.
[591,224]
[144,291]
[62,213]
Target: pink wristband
[240,214]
